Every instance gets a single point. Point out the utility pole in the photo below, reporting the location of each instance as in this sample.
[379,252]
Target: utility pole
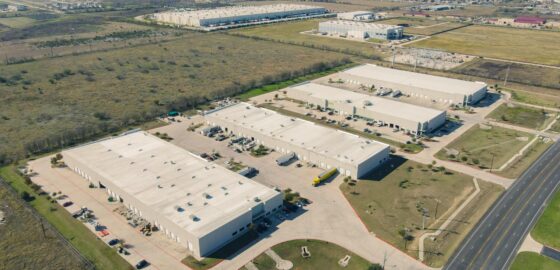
[416,60]
[437,204]
[384,260]
[507,75]
[492,162]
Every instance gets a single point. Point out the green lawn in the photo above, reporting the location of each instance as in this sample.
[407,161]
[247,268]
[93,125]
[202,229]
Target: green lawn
[79,236]
[516,168]
[499,42]
[324,255]
[519,115]
[539,99]
[391,200]
[291,33]
[534,261]
[546,230]
[480,144]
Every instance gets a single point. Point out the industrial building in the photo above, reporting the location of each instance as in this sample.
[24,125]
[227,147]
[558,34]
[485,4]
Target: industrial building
[198,204]
[424,86]
[327,148]
[231,16]
[359,16]
[413,119]
[361,30]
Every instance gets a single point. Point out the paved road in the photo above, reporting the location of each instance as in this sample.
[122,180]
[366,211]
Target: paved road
[493,243]
[551,253]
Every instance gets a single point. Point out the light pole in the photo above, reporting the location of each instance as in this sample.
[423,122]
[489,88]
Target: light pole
[437,204]
[492,162]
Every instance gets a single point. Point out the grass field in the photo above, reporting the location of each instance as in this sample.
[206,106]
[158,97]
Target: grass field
[533,261]
[290,32]
[546,230]
[16,22]
[391,200]
[522,116]
[104,91]
[426,27]
[499,42]
[479,145]
[535,98]
[324,255]
[517,167]
[520,73]
[24,246]
[468,11]
[73,230]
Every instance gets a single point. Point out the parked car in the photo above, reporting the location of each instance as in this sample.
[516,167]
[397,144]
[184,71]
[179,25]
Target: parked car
[113,242]
[142,264]
[66,204]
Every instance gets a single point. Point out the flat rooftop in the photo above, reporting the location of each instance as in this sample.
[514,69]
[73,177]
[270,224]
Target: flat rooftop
[336,144]
[165,177]
[378,104]
[413,79]
[225,12]
[362,25]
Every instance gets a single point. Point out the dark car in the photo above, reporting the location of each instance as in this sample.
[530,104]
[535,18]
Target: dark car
[142,264]
[66,204]
[113,242]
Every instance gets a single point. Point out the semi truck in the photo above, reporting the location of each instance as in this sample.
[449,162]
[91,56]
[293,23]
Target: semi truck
[324,176]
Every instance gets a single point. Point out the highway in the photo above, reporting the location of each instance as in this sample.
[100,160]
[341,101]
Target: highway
[495,240]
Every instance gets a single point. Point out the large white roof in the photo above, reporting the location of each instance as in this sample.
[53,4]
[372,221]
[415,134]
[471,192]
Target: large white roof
[164,177]
[224,12]
[336,144]
[425,81]
[378,105]
[361,25]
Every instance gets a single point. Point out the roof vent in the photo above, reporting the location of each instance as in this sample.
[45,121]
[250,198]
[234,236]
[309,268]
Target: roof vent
[256,199]
[109,150]
[120,156]
[132,162]
[206,195]
[241,183]
[140,150]
[179,208]
[193,217]
[189,203]
[178,169]
[188,194]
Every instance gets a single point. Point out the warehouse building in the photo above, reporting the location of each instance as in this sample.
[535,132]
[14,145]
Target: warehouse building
[358,16]
[361,30]
[198,204]
[327,148]
[424,86]
[236,15]
[409,118]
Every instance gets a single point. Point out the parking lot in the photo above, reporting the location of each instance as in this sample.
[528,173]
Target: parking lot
[104,221]
[328,217]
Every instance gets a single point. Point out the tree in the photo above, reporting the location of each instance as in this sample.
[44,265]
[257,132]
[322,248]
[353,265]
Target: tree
[26,196]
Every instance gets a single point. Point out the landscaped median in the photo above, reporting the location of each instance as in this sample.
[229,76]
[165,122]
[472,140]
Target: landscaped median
[73,230]
[322,255]
[393,200]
